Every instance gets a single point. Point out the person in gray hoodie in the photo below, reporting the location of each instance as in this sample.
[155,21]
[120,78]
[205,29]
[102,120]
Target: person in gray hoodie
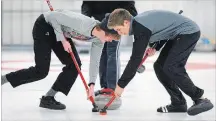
[54,30]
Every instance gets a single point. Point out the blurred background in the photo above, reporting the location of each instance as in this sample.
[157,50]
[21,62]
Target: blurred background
[18,17]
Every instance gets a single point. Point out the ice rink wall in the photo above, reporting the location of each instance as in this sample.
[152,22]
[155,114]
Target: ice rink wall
[18,17]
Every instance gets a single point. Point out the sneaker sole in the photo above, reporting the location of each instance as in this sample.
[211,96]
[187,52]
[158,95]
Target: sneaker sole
[178,110]
[43,106]
[174,112]
[196,111]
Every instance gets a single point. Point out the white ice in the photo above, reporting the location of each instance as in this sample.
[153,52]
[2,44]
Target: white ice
[141,98]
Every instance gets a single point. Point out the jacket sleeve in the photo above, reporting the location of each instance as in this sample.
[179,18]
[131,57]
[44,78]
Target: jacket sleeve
[141,39]
[95,54]
[86,8]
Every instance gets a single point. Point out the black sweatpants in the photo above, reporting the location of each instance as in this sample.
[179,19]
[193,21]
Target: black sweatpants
[44,42]
[170,68]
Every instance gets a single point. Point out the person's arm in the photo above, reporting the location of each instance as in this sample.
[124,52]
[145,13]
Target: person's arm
[95,54]
[141,39]
[86,8]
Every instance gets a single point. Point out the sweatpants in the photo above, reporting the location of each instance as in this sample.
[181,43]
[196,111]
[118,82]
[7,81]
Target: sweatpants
[170,68]
[44,43]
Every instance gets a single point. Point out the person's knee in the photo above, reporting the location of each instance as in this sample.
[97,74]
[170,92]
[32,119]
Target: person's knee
[166,68]
[78,62]
[173,69]
[161,72]
[72,67]
[41,73]
[157,67]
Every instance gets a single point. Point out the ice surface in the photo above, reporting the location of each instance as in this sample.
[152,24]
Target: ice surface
[141,98]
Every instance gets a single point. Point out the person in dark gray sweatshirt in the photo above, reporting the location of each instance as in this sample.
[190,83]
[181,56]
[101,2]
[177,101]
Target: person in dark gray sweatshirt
[181,34]
[54,30]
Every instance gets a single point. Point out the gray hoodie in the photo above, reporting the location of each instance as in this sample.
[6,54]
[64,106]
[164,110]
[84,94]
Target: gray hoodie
[77,26]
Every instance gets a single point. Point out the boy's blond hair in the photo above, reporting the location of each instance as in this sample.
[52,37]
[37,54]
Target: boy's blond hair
[117,18]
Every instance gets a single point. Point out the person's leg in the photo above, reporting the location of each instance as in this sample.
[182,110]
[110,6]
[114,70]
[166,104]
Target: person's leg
[42,50]
[103,67]
[178,102]
[65,79]
[69,73]
[113,64]
[174,68]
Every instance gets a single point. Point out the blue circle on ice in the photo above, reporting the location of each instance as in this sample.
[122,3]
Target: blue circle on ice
[205,41]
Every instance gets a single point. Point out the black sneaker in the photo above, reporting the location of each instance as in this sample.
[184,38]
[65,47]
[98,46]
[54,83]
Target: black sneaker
[50,103]
[199,106]
[172,108]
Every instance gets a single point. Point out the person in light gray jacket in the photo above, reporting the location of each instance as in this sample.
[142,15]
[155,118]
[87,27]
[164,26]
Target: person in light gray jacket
[53,30]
